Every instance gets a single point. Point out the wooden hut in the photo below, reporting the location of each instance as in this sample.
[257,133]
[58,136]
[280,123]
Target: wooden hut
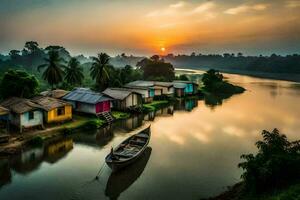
[184,88]
[166,87]
[55,110]
[87,101]
[23,113]
[160,88]
[124,99]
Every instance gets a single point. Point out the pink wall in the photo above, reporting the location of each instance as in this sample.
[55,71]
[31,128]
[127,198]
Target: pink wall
[103,107]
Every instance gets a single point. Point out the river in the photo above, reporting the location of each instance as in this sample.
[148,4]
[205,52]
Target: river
[195,149]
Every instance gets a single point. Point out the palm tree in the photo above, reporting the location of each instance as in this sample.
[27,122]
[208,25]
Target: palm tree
[53,73]
[74,73]
[99,70]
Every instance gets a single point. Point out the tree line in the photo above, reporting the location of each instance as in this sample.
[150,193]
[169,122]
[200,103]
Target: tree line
[272,64]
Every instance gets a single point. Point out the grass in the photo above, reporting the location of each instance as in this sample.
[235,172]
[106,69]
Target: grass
[155,105]
[120,115]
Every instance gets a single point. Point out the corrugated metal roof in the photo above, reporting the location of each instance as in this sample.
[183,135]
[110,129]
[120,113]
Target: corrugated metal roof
[49,103]
[150,83]
[179,85]
[86,95]
[117,93]
[3,111]
[19,105]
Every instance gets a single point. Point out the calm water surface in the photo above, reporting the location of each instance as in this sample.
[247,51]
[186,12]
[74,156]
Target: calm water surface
[194,152]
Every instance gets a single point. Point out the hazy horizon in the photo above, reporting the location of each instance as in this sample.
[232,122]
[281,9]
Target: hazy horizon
[148,27]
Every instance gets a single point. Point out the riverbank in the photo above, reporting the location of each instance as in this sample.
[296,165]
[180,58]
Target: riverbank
[236,192]
[18,142]
[274,76]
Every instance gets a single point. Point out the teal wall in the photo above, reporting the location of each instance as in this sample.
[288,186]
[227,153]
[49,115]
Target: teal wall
[152,92]
[189,88]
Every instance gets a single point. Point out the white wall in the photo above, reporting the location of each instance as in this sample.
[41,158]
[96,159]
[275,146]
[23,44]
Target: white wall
[37,120]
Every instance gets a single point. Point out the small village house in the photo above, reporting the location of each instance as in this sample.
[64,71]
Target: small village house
[166,87]
[23,113]
[87,101]
[184,88]
[155,88]
[124,99]
[55,110]
[146,92]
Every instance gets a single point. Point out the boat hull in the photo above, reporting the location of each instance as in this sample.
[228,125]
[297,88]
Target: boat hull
[116,166]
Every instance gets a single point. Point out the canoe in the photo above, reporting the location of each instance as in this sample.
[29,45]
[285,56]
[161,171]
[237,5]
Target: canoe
[129,150]
[120,181]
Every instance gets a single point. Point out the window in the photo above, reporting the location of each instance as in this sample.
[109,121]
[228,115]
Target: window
[30,115]
[60,111]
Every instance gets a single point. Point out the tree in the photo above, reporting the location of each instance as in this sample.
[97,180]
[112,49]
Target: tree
[32,46]
[276,164]
[53,73]
[159,71]
[74,73]
[99,70]
[19,84]
[14,54]
[142,63]
[211,77]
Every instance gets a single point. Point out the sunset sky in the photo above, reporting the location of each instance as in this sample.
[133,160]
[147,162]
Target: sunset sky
[145,27]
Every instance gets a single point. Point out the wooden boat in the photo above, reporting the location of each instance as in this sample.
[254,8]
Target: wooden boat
[129,150]
[121,180]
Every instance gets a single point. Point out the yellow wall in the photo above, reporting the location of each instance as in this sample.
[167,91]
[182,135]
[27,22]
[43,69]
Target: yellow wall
[52,115]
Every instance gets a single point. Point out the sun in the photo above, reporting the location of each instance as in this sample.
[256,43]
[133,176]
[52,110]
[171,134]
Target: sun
[163,49]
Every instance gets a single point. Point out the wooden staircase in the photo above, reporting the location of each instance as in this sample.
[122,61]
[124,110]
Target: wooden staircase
[107,116]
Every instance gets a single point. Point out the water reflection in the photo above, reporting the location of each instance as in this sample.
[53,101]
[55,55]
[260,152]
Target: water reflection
[186,104]
[121,180]
[30,159]
[5,173]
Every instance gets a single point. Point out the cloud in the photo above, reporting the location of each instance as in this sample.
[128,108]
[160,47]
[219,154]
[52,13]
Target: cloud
[203,7]
[182,8]
[178,4]
[246,8]
[293,4]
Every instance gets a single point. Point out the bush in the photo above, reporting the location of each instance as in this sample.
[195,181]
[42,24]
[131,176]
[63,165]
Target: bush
[92,124]
[276,164]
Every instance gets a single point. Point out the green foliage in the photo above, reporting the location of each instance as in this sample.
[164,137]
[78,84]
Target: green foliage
[275,165]
[74,73]
[18,83]
[99,70]
[211,78]
[213,82]
[120,115]
[92,124]
[182,77]
[53,73]
[160,70]
[36,141]
[155,105]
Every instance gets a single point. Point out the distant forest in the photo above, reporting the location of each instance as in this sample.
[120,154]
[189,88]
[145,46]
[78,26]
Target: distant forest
[239,62]
[33,55]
